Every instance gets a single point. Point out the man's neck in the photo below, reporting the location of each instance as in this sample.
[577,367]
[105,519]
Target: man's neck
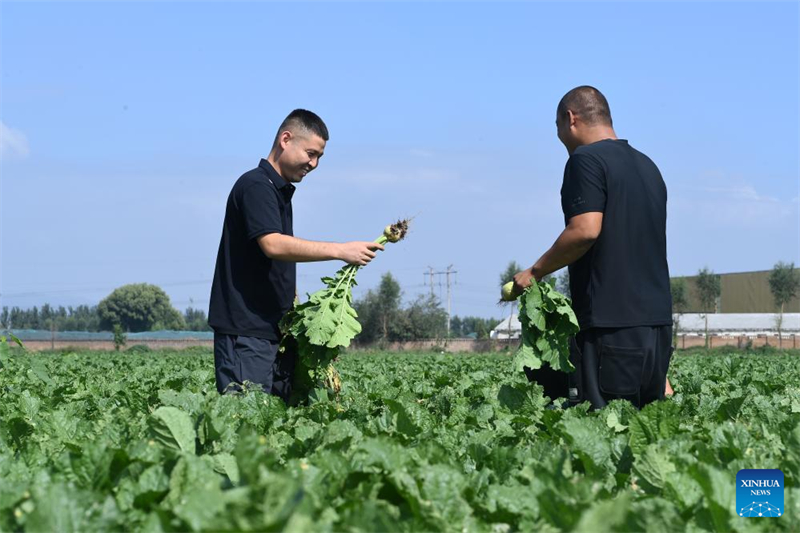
[272,159]
[598,133]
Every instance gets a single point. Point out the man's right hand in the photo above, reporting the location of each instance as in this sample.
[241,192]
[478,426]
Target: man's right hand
[358,252]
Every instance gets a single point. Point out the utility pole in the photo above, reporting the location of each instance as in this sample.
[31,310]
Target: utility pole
[448,281]
[448,300]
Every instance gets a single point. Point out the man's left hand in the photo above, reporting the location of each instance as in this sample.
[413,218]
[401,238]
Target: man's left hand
[523,280]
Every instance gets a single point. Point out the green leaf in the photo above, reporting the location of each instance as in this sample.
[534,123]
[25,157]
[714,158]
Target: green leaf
[173,428]
[720,496]
[547,323]
[225,463]
[588,439]
[657,421]
[331,320]
[653,467]
[15,339]
[56,509]
[606,515]
[612,420]
[526,357]
[195,495]
[532,297]
[346,325]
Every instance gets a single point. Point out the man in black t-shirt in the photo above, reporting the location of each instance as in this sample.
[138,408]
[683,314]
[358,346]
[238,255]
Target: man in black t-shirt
[255,277]
[615,210]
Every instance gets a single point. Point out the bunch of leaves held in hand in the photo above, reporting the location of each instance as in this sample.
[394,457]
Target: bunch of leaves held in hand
[319,328]
[548,322]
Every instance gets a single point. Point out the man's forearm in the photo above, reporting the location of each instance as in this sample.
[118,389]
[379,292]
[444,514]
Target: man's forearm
[576,239]
[288,248]
[570,246]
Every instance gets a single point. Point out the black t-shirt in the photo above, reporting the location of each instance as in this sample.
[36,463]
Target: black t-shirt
[623,280]
[252,292]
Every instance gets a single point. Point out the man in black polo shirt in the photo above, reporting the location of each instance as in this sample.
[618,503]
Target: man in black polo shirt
[255,277]
[615,210]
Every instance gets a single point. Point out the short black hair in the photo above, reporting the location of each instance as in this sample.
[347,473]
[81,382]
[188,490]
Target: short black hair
[588,103]
[304,120]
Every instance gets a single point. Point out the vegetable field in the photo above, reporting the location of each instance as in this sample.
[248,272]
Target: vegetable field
[415,442]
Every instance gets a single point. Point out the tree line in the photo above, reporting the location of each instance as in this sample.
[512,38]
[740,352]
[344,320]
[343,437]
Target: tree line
[381,312]
[144,307]
[384,318]
[133,308]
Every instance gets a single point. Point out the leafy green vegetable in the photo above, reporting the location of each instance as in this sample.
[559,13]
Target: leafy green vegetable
[547,322]
[416,442]
[319,328]
[4,349]
[172,427]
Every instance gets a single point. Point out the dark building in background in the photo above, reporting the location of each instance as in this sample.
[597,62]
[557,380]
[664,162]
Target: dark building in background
[742,292]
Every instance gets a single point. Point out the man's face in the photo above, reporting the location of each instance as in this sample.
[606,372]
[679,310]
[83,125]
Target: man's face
[301,155]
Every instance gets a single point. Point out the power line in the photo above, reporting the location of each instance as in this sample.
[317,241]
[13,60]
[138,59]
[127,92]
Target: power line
[446,273]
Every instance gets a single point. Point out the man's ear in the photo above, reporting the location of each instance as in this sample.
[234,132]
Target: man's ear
[572,118]
[284,138]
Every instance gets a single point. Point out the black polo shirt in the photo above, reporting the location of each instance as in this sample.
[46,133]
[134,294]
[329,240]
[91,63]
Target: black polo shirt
[251,292]
[623,280]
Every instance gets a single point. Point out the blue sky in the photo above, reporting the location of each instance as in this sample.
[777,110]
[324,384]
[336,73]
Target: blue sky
[124,125]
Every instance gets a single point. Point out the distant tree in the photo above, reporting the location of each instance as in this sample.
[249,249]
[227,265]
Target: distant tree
[709,289]
[507,275]
[680,301]
[139,307]
[456,327]
[365,309]
[477,326]
[120,339]
[562,285]
[510,271]
[195,320]
[387,306]
[5,318]
[383,317]
[81,318]
[380,313]
[46,316]
[424,319]
[784,283]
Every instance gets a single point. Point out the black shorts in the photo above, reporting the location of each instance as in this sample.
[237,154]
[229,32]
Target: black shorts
[238,359]
[612,363]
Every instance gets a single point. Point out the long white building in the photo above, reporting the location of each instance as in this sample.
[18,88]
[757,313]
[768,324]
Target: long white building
[750,324]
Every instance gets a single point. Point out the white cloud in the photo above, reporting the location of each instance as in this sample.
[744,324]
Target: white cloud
[740,192]
[12,142]
[733,206]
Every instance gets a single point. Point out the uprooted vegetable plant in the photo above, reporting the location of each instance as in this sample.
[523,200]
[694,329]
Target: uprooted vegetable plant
[548,322]
[319,328]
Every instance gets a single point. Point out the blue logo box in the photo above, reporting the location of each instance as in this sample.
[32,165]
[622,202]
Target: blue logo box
[759,493]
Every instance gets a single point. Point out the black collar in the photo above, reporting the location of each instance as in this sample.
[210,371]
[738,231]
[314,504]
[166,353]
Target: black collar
[285,188]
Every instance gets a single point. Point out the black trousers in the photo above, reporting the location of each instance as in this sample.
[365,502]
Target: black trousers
[238,359]
[612,363]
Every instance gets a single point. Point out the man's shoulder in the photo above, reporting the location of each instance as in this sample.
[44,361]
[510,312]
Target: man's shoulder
[603,148]
[251,181]
[611,151]
[255,175]
[587,156]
